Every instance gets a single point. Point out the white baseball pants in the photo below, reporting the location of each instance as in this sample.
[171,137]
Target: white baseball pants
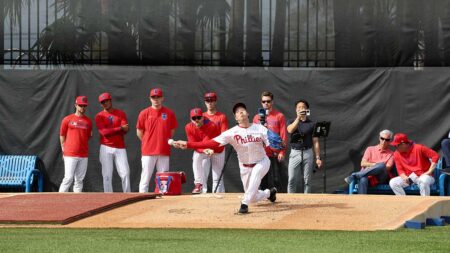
[74,170]
[424,182]
[108,155]
[216,162]
[251,179]
[148,165]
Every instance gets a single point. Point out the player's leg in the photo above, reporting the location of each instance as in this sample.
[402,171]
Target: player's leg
[197,169]
[397,184]
[308,157]
[206,165]
[70,163]
[424,182]
[162,163]
[148,165]
[217,161]
[80,173]
[252,193]
[123,169]
[106,159]
[293,170]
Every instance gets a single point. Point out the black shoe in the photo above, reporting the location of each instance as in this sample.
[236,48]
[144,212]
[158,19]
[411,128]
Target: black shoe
[273,194]
[243,209]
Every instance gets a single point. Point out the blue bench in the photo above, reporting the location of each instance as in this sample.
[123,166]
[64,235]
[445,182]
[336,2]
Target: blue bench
[438,188]
[19,171]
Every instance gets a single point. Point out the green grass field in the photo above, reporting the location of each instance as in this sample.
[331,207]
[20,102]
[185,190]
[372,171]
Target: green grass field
[431,239]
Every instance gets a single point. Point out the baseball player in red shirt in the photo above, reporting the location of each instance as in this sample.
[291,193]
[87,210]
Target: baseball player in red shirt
[155,126]
[112,125]
[201,129]
[413,165]
[217,160]
[275,121]
[76,129]
[249,140]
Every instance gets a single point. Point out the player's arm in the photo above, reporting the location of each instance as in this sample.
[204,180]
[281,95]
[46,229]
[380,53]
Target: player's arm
[62,140]
[124,123]
[139,133]
[434,156]
[103,130]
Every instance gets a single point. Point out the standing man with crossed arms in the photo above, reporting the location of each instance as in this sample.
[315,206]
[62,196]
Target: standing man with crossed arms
[198,130]
[112,125]
[217,160]
[155,126]
[75,132]
[249,141]
[275,121]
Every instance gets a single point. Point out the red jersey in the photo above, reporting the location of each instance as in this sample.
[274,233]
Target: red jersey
[206,132]
[109,126]
[277,123]
[416,159]
[77,131]
[219,119]
[157,125]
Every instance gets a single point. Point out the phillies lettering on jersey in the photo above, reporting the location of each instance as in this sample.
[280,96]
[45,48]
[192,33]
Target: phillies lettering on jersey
[248,142]
[246,139]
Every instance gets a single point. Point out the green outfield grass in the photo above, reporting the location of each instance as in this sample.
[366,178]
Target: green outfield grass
[431,239]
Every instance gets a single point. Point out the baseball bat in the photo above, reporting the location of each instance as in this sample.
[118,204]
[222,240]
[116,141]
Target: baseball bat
[224,166]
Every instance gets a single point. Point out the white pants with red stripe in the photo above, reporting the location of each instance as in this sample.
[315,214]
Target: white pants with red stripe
[108,156]
[74,171]
[251,179]
[148,165]
[202,163]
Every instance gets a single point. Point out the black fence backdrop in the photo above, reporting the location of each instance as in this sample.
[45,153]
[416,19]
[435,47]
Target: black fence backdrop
[284,33]
[358,102]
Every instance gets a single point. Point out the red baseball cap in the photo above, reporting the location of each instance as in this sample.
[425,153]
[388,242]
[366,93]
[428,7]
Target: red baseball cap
[156,92]
[400,138]
[211,96]
[81,100]
[196,112]
[104,96]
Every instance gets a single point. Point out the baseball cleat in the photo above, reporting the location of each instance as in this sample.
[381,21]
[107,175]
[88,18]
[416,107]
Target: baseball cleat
[197,189]
[273,194]
[243,209]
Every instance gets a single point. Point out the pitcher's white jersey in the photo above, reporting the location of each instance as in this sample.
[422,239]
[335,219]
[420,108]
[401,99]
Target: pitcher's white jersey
[248,142]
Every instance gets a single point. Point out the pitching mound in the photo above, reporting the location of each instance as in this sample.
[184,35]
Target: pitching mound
[61,208]
[295,211]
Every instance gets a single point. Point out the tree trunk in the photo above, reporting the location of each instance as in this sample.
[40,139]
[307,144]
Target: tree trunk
[234,55]
[154,32]
[121,44]
[253,45]
[279,34]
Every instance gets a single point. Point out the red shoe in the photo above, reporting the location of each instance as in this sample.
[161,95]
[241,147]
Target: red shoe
[197,189]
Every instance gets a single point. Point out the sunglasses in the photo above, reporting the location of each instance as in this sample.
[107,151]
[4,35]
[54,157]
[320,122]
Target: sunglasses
[82,106]
[195,118]
[210,100]
[266,101]
[155,97]
[384,139]
[104,101]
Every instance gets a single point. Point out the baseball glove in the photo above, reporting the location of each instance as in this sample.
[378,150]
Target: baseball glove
[275,141]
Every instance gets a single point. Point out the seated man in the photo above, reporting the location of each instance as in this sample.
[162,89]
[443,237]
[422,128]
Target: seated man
[376,162]
[445,147]
[413,165]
